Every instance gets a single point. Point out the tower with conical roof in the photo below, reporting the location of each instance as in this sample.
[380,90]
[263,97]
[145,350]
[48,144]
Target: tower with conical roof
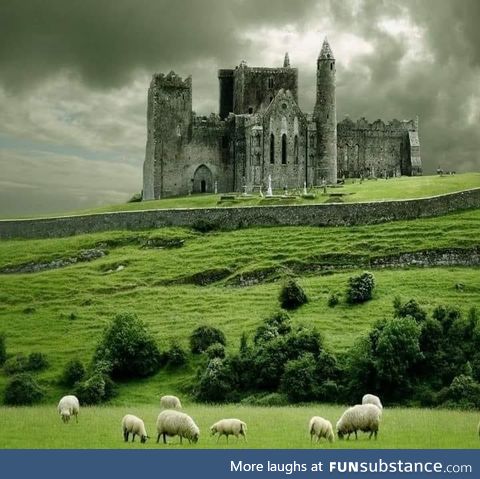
[325,116]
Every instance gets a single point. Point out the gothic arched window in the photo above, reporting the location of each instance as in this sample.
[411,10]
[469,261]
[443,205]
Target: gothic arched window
[272,148]
[284,149]
[295,149]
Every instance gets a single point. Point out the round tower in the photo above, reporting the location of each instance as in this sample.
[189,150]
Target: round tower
[325,115]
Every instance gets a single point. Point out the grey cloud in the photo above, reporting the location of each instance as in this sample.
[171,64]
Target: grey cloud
[37,182]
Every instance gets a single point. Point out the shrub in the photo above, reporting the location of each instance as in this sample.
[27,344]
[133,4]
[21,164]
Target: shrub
[203,337]
[3,349]
[215,382]
[176,356]
[360,288]
[303,340]
[22,389]
[91,391]
[74,372]
[333,300]
[128,348]
[216,350]
[292,295]
[16,364]
[410,308]
[463,392]
[276,325]
[37,362]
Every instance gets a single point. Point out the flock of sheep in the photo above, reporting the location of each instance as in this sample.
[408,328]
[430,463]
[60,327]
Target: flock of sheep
[363,417]
[170,422]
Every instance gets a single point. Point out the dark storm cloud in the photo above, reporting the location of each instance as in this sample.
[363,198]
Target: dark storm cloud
[440,82]
[105,40]
[74,74]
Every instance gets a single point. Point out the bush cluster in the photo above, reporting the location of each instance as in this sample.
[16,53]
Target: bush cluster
[203,337]
[23,389]
[281,359]
[21,363]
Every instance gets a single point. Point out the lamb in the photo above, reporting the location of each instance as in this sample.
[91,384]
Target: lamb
[170,402]
[320,427]
[175,423]
[365,417]
[133,424]
[228,427]
[371,399]
[67,407]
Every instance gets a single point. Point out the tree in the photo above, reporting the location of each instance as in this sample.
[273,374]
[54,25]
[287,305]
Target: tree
[128,348]
[396,354]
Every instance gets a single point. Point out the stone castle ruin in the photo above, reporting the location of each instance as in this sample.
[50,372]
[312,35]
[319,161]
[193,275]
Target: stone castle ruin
[260,131]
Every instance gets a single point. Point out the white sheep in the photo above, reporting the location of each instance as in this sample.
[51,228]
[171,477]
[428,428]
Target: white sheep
[320,427]
[170,402]
[175,423]
[68,406]
[372,399]
[228,427]
[363,417]
[133,424]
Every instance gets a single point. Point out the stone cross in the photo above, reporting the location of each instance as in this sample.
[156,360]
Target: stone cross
[269,189]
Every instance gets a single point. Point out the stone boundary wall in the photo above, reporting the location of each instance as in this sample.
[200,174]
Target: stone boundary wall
[330,214]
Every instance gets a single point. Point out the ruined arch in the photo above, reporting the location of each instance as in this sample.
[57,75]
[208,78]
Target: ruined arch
[203,180]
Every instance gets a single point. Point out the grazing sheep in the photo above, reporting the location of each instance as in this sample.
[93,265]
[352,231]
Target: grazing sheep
[365,417]
[226,427]
[175,423]
[372,399]
[133,424]
[170,402]
[67,407]
[320,427]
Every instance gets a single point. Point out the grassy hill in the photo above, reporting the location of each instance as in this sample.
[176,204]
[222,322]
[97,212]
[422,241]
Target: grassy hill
[61,312]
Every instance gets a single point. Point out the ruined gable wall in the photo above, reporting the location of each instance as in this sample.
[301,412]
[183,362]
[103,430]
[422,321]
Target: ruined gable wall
[284,117]
[209,146]
[376,148]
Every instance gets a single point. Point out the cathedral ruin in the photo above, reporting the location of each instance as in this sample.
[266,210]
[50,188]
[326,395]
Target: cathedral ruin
[260,131]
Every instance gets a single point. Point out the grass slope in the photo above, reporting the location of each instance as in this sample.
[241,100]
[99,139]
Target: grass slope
[272,427]
[354,191]
[35,309]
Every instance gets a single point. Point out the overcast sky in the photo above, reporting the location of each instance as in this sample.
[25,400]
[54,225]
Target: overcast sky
[74,77]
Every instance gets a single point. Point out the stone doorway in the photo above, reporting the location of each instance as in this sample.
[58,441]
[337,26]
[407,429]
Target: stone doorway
[203,180]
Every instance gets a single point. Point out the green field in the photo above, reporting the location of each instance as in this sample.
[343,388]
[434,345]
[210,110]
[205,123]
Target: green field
[62,312]
[271,427]
[353,191]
